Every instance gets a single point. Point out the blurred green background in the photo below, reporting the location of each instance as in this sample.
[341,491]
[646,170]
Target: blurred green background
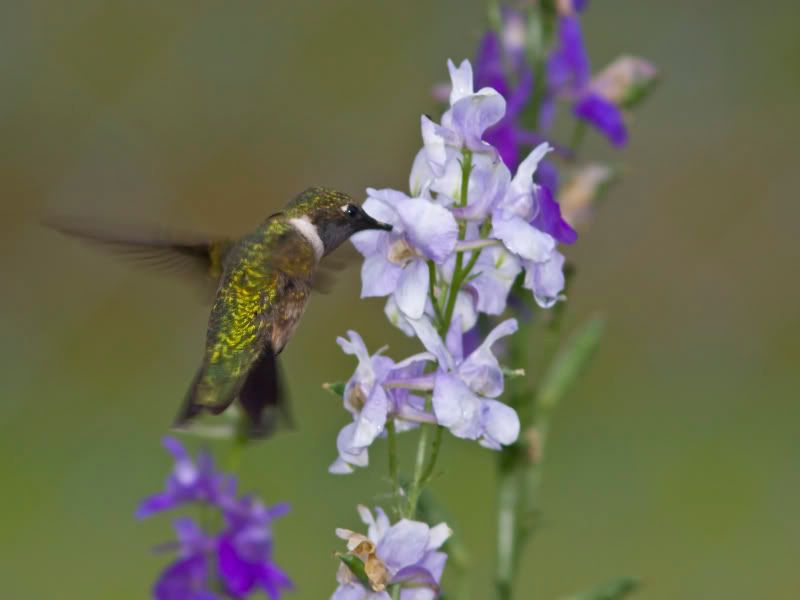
[674,460]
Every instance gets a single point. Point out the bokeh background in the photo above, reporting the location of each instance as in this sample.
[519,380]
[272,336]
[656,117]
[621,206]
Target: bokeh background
[674,460]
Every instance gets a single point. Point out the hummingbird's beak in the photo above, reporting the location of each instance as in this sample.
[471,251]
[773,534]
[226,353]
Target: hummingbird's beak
[368,222]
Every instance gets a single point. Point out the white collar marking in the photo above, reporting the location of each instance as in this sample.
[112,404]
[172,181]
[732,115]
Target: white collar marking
[309,231]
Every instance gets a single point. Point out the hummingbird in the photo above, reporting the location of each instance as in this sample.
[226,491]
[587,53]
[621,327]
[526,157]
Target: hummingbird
[262,283]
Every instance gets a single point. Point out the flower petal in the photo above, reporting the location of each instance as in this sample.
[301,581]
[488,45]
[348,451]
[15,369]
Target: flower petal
[546,279]
[481,371]
[603,115]
[429,227]
[372,419]
[472,115]
[522,183]
[412,289]
[436,139]
[495,271]
[549,220]
[185,578]
[461,80]
[500,423]
[521,238]
[404,544]
[455,406]
[424,330]
[379,277]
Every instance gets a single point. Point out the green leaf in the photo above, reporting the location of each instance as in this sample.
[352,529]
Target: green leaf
[568,364]
[336,388]
[615,589]
[356,566]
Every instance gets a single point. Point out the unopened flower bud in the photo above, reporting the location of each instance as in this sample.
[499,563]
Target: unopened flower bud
[580,191]
[626,81]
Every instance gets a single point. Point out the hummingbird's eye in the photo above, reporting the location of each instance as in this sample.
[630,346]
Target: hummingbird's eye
[351,210]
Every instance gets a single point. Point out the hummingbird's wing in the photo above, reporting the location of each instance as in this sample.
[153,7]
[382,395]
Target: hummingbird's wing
[198,258]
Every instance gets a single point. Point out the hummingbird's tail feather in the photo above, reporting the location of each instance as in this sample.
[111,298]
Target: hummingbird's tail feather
[263,397]
[200,399]
[261,394]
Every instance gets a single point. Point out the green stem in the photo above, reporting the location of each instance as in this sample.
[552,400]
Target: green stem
[577,138]
[419,466]
[435,446]
[432,291]
[394,473]
[507,500]
[423,469]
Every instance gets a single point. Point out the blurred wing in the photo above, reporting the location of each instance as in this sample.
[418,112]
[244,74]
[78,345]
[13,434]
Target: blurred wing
[198,258]
[329,270]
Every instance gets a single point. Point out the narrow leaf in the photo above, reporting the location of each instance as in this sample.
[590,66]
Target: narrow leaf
[569,363]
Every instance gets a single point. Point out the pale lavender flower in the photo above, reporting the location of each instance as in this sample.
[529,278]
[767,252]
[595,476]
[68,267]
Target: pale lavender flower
[519,220]
[465,388]
[404,554]
[396,262]
[464,123]
[495,271]
[371,404]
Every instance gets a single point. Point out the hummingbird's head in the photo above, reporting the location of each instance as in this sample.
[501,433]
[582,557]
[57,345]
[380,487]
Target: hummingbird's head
[334,215]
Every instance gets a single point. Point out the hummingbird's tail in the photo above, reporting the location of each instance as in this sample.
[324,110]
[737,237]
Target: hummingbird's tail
[261,395]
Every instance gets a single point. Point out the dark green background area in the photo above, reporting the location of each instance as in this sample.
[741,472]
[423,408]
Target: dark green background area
[674,460]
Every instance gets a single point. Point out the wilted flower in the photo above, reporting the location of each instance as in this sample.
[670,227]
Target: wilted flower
[404,554]
[230,563]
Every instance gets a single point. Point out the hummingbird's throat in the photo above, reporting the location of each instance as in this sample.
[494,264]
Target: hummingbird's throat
[400,252]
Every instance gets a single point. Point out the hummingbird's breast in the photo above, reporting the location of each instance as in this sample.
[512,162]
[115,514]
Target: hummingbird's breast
[262,295]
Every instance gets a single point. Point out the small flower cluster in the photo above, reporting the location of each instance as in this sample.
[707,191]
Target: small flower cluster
[599,101]
[231,563]
[405,555]
[458,243]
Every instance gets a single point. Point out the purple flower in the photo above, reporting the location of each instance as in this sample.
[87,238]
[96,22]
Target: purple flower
[548,218]
[405,554]
[396,262]
[235,560]
[465,387]
[528,222]
[490,71]
[568,75]
[371,404]
[188,482]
